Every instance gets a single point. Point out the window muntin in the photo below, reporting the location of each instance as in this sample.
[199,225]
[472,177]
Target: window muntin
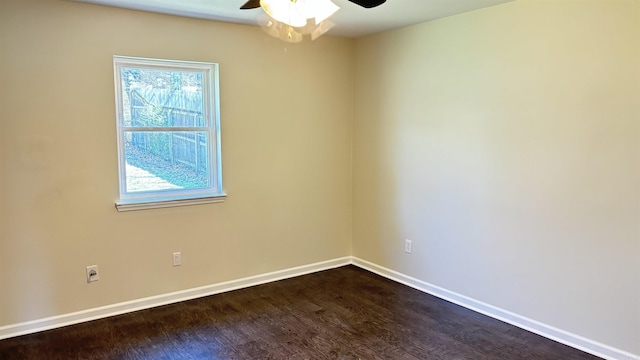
[168,130]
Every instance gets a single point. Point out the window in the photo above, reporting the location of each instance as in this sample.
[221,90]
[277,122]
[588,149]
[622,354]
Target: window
[168,133]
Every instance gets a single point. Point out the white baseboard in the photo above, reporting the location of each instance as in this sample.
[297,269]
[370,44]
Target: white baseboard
[164,299]
[561,336]
[564,337]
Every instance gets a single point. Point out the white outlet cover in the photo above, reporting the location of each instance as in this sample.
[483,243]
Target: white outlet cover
[92,273]
[407,246]
[177,259]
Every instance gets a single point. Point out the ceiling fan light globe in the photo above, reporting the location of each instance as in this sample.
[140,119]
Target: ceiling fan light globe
[323,9]
[308,28]
[321,28]
[284,11]
[319,10]
[290,34]
[273,28]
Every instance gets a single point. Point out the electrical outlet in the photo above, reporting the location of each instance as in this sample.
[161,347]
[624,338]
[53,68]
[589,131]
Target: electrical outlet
[407,246]
[92,273]
[177,259]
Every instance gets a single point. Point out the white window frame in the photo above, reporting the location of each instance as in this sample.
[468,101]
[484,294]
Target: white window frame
[172,197]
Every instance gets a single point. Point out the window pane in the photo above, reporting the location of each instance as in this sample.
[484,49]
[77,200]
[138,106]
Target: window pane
[159,98]
[166,160]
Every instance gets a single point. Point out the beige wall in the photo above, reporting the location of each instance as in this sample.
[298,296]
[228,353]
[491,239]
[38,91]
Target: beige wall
[286,139]
[505,143]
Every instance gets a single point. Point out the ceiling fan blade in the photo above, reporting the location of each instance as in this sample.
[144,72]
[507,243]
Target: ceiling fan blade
[251,4]
[368,3]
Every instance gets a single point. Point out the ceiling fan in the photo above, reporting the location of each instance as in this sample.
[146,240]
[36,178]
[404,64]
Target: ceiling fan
[290,20]
[253,4]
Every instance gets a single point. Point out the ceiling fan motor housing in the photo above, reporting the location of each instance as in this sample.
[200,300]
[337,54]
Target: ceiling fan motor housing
[253,4]
[368,3]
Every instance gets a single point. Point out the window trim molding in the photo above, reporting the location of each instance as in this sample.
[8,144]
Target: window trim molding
[213,194]
[132,205]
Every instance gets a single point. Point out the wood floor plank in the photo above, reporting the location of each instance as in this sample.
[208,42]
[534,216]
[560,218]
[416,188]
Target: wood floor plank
[344,313]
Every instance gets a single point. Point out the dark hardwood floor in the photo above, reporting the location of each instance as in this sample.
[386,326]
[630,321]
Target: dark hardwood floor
[345,313]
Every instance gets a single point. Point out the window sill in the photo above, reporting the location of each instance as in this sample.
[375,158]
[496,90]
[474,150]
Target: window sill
[132,205]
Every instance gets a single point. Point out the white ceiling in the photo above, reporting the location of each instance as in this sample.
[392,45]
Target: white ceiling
[351,20]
